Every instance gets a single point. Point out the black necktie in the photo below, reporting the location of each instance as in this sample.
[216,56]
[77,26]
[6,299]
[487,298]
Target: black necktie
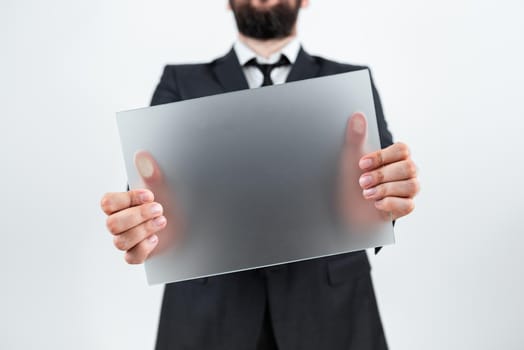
[267,68]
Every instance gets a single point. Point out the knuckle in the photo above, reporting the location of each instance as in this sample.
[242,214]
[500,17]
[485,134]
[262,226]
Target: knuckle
[411,169]
[382,190]
[414,169]
[415,186]
[144,212]
[403,150]
[379,158]
[139,196]
[137,255]
[112,225]
[120,242]
[150,228]
[131,258]
[410,206]
[386,204]
[106,203]
[132,197]
[379,176]
[410,186]
[146,195]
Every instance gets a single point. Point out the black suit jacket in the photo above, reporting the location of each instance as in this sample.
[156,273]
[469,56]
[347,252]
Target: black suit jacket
[325,303]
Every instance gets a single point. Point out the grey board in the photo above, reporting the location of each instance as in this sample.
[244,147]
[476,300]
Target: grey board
[253,175]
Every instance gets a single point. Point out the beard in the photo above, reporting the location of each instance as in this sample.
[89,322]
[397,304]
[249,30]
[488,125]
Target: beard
[272,23]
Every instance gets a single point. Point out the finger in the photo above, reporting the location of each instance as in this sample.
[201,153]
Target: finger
[116,201]
[398,207]
[394,153]
[148,168]
[124,220]
[127,240]
[398,171]
[356,130]
[406,189]
[139,253]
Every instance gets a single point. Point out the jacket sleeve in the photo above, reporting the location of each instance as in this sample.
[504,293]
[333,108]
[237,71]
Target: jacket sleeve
[167,90]
[386,138]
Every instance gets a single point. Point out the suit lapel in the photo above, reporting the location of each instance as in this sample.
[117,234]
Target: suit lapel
[305,67]
[229,73]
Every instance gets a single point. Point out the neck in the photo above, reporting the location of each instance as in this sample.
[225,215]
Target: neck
[266,48]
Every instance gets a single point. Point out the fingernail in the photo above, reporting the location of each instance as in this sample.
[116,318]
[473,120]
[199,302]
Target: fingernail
[153,239]
[365,163]
[369,192]
[145,196]
[144,166]
[365,180]
[379,203]
[159,221]
[156,209]
[358,125]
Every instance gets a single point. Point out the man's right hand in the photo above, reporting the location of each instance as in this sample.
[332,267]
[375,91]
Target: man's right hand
[134,218]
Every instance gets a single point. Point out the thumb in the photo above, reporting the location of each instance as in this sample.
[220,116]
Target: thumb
[148,168]
[153,179]
[356,131]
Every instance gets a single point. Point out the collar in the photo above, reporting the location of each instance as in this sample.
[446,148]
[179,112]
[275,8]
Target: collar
[244,53]
[229,73]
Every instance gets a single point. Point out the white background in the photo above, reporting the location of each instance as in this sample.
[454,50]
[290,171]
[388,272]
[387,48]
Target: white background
[451,78]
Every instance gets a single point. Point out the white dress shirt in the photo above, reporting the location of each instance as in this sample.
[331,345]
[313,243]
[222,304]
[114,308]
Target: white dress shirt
[254,76]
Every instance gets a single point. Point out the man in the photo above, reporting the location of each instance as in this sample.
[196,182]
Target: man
[325,303]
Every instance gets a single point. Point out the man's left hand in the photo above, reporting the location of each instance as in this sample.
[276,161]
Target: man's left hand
[385,179]
[390,179]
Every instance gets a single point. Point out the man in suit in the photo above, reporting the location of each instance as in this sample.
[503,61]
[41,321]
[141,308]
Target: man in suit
[325,303]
